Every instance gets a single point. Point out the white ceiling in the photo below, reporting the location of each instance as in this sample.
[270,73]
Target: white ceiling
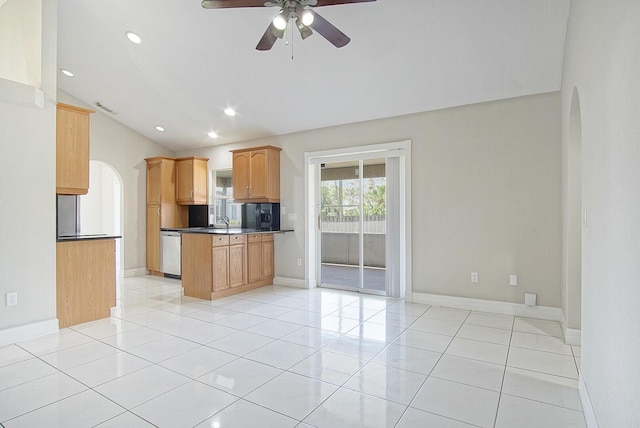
[405,56]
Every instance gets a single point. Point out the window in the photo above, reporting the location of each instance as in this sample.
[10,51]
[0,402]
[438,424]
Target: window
[221,202]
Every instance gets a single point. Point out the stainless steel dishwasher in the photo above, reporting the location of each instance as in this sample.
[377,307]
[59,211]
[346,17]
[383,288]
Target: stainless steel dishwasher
[170,246]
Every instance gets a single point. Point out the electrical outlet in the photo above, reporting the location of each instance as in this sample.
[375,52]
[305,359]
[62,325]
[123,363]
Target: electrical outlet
[474,277]
[299,261]
[513,280]
[12,298]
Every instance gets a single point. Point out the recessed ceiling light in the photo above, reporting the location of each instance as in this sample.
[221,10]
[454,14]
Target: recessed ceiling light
[160,129]
[66,72]
[229,111]
[134,38]
[213,135]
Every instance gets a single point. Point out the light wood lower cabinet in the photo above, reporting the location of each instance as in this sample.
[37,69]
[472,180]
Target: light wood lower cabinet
[197,258]
[85,280]
[260,257]
[220,262]
[237,260]
[215,266]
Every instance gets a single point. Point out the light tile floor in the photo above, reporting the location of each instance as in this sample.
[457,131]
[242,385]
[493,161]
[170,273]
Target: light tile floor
[282,357]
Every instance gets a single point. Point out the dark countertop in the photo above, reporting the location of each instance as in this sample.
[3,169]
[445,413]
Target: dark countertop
[85,237]
[223,231]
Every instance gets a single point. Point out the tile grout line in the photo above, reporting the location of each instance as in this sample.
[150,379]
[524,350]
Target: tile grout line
[504,373]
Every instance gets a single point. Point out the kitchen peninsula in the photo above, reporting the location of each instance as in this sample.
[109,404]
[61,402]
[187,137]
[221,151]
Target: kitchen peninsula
[220,262]
[85,278]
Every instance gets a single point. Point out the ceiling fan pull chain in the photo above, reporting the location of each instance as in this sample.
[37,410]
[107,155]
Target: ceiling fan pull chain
[292,43]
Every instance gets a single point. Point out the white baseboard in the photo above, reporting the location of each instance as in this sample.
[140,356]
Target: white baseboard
[128,273]
[27,332]
[587,407]
[290,282]
[572,336]
[503,308]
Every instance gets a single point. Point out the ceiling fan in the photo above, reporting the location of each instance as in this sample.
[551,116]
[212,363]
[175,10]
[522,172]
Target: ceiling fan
[299,10]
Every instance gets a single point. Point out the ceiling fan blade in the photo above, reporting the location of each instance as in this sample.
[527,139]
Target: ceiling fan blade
[223,4]
[329,32]
[268,39]
[335,2]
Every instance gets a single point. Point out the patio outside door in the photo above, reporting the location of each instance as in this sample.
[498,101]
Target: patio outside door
[352,225]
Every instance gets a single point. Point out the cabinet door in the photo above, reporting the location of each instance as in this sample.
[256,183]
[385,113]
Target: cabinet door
[72,150]
[184,181]
[237,265]
[197,267]
[254,261]
[267,257]
[258,175]
[154,183]
[200,182]
[153,238]
[241,181]
[85,280]
[220,268]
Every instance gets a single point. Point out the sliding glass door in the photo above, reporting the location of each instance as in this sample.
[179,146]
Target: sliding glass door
[358,218]
[352,225]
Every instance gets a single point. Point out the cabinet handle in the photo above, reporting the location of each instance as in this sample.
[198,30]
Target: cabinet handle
[191,193]
[158,210]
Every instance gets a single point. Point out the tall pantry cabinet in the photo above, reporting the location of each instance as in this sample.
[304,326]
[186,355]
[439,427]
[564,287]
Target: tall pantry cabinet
[162,209]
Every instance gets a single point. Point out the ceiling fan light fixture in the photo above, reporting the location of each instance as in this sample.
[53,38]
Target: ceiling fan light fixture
[280,21]
[305,31]
[307,17]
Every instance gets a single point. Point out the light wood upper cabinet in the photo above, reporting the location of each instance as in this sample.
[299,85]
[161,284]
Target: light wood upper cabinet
[256,174]
[72,150]
[191,181]
[154,181]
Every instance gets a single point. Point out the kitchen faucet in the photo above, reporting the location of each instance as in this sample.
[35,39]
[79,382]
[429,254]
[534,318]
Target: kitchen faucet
[224,219]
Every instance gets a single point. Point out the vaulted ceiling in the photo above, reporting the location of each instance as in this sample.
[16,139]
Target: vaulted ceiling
[405,56]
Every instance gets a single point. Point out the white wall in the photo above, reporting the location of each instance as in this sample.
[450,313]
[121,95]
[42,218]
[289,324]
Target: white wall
[125,150]
[27,201]
[486,195]
[20,41]
[602,60]
[97,208]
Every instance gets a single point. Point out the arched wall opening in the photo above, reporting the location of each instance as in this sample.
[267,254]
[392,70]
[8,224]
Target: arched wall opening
[574,219]
[102,209]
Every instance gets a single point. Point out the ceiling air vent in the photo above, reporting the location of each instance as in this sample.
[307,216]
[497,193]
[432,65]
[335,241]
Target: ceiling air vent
[104,107]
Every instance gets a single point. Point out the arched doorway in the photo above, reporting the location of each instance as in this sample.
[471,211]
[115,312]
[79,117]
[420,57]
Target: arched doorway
[101,209]
[574,219]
